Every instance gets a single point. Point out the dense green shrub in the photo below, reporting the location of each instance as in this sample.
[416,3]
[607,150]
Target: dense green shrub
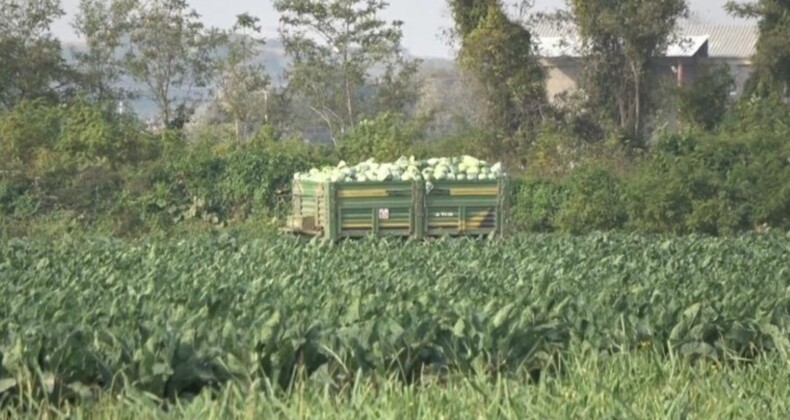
[593,201]
[48,138]
[769,115]
[691,182]
[85,166]
[472,141]
[384,138]
[535,203]
[657,200]
[214,187]
[26,130]
[704,103]
[16,197]
[81,163]
[588,199]
[658,195]
[723,183]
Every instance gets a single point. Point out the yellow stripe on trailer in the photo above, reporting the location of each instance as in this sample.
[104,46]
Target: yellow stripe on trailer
[457,224]
[385,225]
[482,215]
[391,225]
[474,191]
[453,224]
[357,226]
[362,193]
[478,220]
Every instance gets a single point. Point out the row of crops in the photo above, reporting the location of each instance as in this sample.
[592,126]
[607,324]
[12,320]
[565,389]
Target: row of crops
[170,318]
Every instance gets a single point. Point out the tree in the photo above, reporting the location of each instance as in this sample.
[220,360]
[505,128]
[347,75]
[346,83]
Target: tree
[397,89]
[335,45]
[449,100]
[243,83]
[620,38]
[103,25]
[30,126]
[772,59]
[500,54]
[170,50]
[705,102]
[384,138]
[31,64]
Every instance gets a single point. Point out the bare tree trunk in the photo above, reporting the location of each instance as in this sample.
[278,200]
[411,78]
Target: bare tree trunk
[622,105]
[637,101]
[164,115]
[349,107]
[348,82]
[164,104]
[328,122]
[265,106]
[348,101]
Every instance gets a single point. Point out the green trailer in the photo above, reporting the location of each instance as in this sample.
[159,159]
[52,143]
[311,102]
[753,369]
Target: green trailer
[398,208]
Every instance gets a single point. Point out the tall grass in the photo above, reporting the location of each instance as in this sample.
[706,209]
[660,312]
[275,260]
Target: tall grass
[636,385]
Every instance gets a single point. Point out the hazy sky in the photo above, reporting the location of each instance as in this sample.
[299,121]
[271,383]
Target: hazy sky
[424,20]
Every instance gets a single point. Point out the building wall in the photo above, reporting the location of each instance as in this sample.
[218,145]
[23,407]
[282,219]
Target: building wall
[740,69]
[562,75]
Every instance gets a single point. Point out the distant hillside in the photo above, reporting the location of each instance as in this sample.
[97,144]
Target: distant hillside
[272,56]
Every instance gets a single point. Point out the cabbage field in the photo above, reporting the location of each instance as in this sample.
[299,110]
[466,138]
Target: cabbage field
[562,320]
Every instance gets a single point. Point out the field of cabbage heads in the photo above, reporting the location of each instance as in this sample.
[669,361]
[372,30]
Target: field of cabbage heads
[288,327]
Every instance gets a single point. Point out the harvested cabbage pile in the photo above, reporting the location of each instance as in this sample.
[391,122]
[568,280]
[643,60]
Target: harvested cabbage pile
[407,169]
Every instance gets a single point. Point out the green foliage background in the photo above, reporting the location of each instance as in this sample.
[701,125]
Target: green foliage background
[80,168]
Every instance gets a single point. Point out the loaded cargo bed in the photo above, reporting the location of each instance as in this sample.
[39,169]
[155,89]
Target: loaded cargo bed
[398,208]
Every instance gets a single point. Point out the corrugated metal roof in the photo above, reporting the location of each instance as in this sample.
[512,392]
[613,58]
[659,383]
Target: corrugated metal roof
[557,46]
[724,41]
[566,46]
[548,30]
[730,41]
[688,46]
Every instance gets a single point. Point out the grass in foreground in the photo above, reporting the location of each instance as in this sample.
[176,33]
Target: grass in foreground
[633,386]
